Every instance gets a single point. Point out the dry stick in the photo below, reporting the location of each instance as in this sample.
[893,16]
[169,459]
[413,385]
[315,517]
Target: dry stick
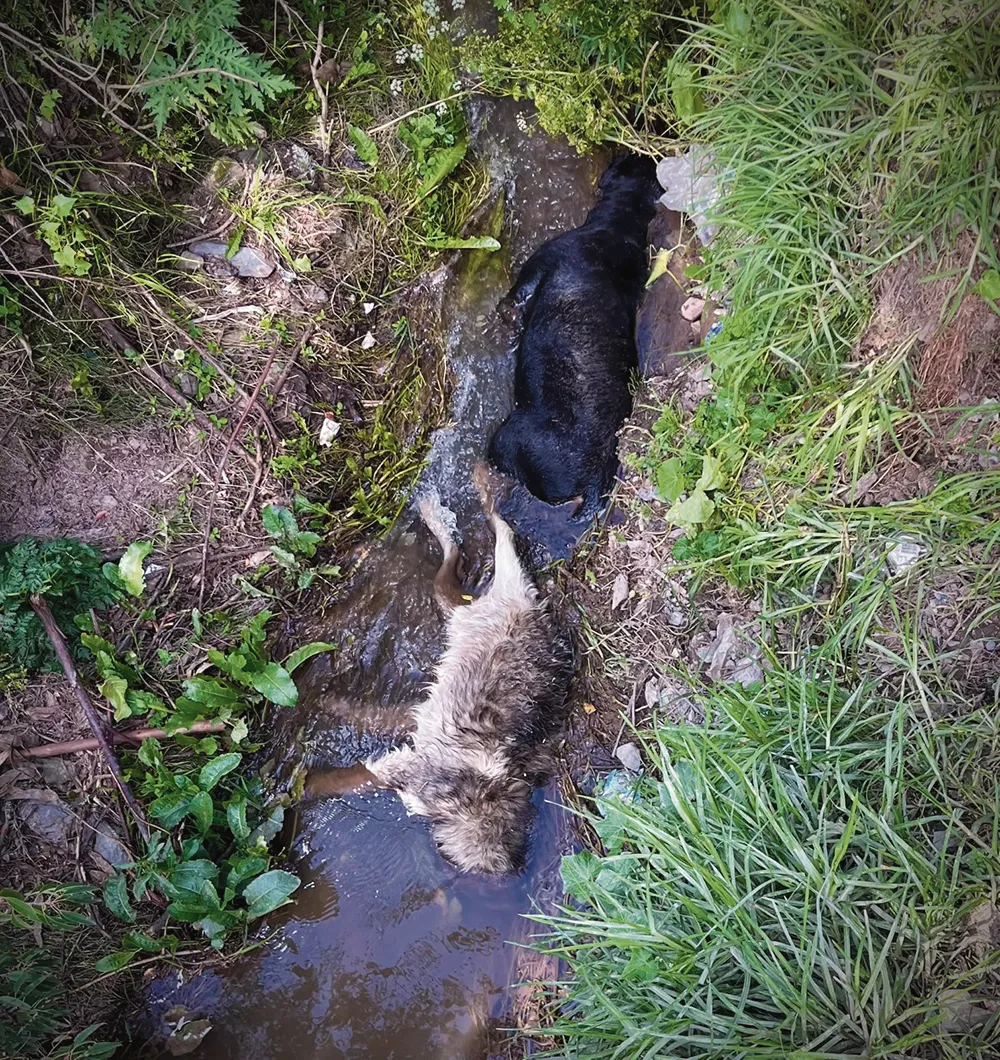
[41,608]
[69,747]
[323,93]
[306,335]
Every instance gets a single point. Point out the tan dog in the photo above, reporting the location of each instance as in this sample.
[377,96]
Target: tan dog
[481,738]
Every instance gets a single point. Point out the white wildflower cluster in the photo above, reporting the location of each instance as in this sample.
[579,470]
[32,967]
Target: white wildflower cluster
[396,86]
[414,52]
[442,108]
[457,85]
[432,31]
[522,122]
[457,5]
[431,9]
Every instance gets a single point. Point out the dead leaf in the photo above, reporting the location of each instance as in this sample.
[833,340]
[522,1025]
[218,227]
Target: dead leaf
[589,708]
[717,654]
[9,182]
[188,1037]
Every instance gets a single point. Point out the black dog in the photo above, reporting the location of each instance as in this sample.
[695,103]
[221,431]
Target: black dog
[576,298]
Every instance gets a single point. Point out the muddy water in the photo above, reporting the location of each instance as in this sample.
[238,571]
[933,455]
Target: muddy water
[388,952]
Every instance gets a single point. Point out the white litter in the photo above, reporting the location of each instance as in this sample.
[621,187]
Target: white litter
[368,341]
[691,186]
[329,430]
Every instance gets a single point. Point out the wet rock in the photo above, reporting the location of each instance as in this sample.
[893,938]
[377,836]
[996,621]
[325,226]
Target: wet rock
[692,309]
[51,821]
[628,755]
[108,844]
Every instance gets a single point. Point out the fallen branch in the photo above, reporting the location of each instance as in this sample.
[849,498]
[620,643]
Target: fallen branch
[54,633]
[70,747]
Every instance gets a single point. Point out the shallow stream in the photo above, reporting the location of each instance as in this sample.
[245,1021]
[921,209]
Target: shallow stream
[387,951]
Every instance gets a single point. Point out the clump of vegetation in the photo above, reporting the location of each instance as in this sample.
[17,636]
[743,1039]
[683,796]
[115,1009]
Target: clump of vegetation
[594,71]
[808,873]
[69,574]
[185,60]
[34,1022]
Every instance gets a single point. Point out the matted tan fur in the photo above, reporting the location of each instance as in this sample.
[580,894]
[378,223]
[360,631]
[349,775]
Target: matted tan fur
[481,737]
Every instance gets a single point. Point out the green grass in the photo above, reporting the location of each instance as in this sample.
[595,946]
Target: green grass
[793,881]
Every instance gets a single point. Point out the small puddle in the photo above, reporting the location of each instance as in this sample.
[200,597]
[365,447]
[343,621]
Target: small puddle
[388,953]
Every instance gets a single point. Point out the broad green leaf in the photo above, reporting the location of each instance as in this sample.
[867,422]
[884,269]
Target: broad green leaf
[278,521]
[698,508]
[138,940]
[712,477]
[211,692]
[269,891]
[285,558]
[472,243]
[188,876]
[150,753]
[238,733]
[25,206]
[989,285]
[236,817]
[362,69]
[231,664]
[364,146]
[189,910]
[169,810]
[113,688]
[212,772]
[20,906]
[737,19]
[116,898]
[243,867]
[670,479]
[441,164]
[202,809]
[62,205]
[305,541]
[578,872]
[130,566]
[307,651]
[275,683]
[114,962]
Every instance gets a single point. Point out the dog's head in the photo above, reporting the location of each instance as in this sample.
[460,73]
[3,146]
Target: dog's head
[479,822]
[631,177]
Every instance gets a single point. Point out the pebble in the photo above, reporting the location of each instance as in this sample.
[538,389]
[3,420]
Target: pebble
[628,755]
[619,594]
[313,293]
[246,261]
[108,844]
[692,308]
[52,822]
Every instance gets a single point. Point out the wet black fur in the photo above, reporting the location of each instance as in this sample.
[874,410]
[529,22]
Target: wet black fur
[576,298]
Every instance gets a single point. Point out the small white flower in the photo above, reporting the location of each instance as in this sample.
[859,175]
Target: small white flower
[417,51]
[445,26]
[522,122]
[457,5]
[442,108]
[396,86]
[457,85]
[431,8]
[432,31]
[402,54]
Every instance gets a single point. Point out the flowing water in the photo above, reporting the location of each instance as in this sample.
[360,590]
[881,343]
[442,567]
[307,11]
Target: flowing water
[388,952]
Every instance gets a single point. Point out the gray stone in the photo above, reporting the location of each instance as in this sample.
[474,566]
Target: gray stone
[52,822]
[187,259]
[57,773]
[628,755]
[108,844]
[313,293]
[225,172]
[208,249]
[250,262]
